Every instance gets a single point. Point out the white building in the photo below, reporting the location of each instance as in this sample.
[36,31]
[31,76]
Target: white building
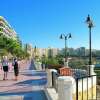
[6,29]
[43,51]
[29,49]
[52,52]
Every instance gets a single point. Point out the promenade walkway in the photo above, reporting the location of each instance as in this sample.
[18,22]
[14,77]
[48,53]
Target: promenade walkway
[30,86]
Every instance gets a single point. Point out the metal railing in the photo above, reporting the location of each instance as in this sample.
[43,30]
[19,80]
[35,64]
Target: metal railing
[78,73]
[87,90]
[54,80]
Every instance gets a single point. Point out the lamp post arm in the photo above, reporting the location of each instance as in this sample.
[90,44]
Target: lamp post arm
[64,35]
[67,36]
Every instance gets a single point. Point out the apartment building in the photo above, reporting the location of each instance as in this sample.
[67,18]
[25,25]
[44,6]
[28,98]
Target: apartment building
[6,29]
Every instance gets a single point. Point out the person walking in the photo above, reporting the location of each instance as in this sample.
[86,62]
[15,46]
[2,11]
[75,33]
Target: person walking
[5,67]
[43,65]
[16,68]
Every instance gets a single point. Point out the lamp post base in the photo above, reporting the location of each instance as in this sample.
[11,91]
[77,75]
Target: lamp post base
[91,69]
[66,64]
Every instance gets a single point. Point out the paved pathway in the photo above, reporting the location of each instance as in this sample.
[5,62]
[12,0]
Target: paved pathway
[30,86]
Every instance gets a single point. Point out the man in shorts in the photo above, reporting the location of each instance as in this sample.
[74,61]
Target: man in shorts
[5,67]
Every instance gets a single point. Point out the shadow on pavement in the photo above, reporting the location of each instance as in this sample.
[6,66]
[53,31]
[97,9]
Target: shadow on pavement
[33,95]
[32,65]
[38,95]
[30,94]
[36,74]
[36,82]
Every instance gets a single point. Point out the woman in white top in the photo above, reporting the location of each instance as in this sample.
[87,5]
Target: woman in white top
[5,67]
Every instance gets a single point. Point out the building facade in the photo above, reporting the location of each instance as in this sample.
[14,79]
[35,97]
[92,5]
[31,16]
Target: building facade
[6,29]
[29,49]
[52,52]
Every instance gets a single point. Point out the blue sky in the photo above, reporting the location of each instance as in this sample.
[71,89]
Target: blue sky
[40,22]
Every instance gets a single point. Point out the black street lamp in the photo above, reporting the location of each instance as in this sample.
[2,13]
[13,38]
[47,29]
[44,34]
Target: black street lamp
[65,37]
[90,26]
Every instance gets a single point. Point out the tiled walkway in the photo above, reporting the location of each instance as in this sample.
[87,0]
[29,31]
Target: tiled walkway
[30,86]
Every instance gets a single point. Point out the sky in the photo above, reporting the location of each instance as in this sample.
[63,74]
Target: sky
[41,22]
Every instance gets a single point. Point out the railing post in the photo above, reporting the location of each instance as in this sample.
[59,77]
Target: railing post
[65,87]
[50,77]
[91,70]
[76,88]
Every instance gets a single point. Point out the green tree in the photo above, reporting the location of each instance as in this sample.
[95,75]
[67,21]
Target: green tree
[11,46]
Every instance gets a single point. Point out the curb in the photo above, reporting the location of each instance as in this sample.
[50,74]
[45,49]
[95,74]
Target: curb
[51,94]
[14,97]
[48,95]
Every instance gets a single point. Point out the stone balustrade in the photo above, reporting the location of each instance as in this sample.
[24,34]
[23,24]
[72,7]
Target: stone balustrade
[67,88]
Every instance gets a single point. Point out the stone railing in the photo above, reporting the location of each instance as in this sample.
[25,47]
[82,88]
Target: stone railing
[70,87]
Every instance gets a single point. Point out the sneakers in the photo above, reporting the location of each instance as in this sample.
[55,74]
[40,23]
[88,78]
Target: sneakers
[3,78]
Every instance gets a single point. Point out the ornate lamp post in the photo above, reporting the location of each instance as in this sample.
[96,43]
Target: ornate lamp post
[90,26]
[66,37]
